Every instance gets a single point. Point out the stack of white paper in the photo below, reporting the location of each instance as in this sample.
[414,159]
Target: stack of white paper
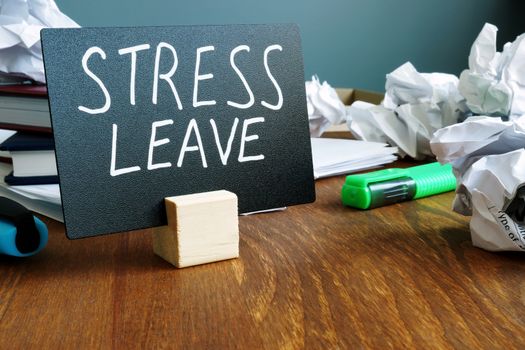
[339,156]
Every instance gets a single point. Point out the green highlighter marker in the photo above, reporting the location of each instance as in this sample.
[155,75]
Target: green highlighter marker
[389,186]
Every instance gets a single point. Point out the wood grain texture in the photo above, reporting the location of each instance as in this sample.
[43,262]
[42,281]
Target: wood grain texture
[317,276]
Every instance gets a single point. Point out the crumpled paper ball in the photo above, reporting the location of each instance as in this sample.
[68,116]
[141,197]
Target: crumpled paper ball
[20,25]
[488,160]
[494,84]
[415,106]
[324,106]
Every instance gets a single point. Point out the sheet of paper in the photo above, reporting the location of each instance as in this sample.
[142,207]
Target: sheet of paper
[42,204]
[339,156]
[48,193]
[263,211]
[20,24]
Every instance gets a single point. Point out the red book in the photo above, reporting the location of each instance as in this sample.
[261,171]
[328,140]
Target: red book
[25,90]
[24,107]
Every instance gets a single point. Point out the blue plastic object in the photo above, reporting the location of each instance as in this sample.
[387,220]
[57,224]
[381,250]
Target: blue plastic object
[8,235]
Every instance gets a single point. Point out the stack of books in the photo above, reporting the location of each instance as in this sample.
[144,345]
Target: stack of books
[27,156]
[25,118]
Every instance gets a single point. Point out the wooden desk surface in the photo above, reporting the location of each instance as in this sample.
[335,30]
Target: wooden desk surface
[319,276]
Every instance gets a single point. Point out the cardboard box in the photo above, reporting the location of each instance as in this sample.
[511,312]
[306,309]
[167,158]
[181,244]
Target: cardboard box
[349,96]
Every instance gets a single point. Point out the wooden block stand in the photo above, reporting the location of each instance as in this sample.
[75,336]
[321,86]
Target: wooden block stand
[202,228]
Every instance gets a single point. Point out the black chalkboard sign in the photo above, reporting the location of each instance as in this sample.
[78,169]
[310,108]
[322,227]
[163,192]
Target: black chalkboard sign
[140,114]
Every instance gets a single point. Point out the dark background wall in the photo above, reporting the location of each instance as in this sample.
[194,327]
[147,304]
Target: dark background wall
[349,43]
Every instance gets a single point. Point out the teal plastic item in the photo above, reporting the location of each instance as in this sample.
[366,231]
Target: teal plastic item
[388,186]
[8,233]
